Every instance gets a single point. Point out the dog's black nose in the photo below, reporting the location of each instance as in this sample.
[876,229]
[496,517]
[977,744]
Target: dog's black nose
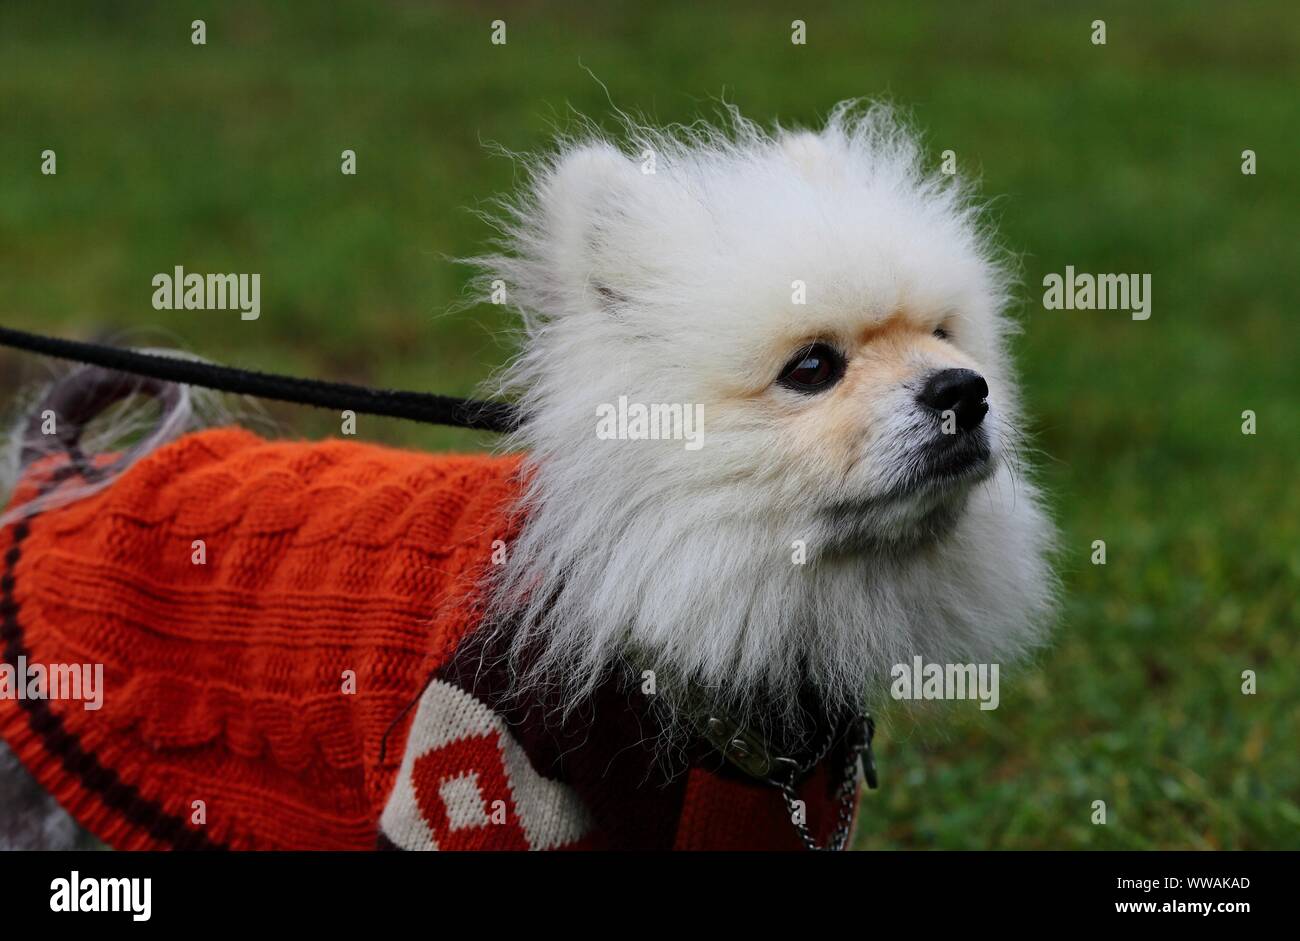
[961,391]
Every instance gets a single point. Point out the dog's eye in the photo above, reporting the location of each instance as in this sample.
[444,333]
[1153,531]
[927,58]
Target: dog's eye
[940,333]
[813,369]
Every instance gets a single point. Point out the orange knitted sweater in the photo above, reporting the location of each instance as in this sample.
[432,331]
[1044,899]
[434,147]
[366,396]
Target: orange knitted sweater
[265,615]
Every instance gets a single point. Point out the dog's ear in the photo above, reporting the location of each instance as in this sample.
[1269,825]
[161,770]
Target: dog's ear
[590,201]
[811,155]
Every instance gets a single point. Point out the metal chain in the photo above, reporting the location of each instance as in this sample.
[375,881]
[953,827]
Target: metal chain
[751,754]
[848,790]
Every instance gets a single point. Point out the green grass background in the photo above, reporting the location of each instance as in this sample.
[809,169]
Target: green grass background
[1115,158]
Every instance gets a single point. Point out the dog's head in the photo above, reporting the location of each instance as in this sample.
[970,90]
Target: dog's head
[853,494]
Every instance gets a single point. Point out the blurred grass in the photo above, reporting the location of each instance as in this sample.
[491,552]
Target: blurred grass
[1113,159]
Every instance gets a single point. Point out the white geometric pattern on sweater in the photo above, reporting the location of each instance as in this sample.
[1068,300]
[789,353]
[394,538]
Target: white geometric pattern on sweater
[549,813]
[464,802]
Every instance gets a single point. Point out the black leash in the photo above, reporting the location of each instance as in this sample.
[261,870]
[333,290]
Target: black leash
[413,406]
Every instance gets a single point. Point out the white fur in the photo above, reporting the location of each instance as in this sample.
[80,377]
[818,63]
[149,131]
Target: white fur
[675,287]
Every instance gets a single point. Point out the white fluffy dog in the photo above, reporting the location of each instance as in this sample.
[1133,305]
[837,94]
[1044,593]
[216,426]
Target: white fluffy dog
[857,499]
[853,497]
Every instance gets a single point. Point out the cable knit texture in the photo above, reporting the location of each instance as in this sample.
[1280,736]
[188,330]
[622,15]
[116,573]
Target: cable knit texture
[225,674]
[272,618]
